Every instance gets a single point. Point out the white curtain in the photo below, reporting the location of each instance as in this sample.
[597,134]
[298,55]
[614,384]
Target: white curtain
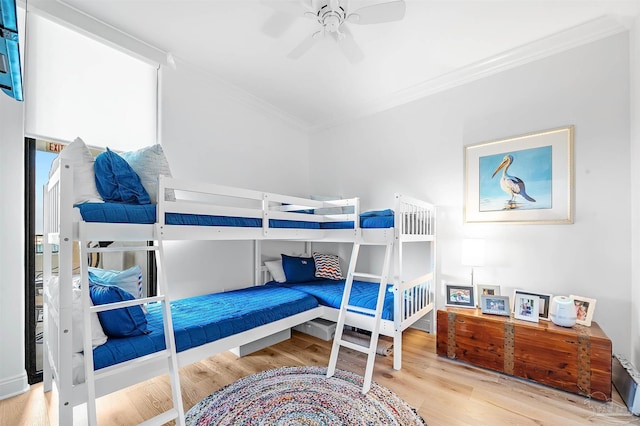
[76,86]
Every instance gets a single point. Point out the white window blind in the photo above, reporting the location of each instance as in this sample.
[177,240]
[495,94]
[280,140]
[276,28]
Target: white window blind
[77,86]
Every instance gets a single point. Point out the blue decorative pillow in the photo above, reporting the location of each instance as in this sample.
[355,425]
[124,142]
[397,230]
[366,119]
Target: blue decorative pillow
[123,322]
[130,280]
[327,266]
[298,269]
[117,181]
[375,213]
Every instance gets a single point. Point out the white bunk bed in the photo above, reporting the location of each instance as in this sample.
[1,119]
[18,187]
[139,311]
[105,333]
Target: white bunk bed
[414,221]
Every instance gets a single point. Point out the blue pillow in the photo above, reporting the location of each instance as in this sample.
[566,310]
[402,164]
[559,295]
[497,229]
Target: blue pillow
[117,181]
[123,322]
[130,280]
[375,213]
[298,269]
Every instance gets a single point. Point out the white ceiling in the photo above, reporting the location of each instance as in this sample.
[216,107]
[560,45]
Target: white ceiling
[430,48]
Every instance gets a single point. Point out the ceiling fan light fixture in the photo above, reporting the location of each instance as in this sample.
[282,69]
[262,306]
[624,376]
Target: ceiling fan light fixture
[331,23]
[334,17]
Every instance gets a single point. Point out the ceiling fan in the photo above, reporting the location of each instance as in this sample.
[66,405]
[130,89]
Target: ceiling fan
[332,17]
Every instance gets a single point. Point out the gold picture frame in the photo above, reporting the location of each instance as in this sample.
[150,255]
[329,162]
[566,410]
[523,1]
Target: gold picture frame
[522,179]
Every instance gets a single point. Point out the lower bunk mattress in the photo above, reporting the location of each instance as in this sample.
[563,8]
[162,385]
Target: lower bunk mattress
[329,293]
[203,319]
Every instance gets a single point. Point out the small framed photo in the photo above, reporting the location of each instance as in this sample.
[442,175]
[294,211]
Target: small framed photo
[495,305]
[584,309]
[461,296]
[487,290]
[526,306]
[545,302]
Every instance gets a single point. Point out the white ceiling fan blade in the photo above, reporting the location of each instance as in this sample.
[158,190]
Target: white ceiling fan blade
[348,45]
[379,13]
[277,24]
[304,46]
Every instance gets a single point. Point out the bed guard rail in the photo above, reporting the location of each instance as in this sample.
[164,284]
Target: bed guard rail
[201,198]
[414,217]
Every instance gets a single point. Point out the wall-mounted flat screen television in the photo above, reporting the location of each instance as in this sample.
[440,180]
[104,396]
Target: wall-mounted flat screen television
[10,73]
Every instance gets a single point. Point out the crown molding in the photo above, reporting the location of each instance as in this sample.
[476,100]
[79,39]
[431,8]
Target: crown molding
[576,36]
[68,16]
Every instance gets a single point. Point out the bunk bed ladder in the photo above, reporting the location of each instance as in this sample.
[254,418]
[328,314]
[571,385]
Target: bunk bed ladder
[366,318]
[175,413]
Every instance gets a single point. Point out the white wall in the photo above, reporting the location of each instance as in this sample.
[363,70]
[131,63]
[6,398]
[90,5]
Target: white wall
[635,192]
[215,133]
[418,149]
[13,377]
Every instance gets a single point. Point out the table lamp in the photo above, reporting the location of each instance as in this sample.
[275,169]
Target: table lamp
[472,253]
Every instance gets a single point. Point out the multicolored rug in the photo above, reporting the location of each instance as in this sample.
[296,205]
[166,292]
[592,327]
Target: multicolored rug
[302,396]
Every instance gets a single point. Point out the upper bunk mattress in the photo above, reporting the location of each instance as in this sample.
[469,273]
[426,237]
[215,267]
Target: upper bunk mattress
[146,214]
[329,293]
[203,319]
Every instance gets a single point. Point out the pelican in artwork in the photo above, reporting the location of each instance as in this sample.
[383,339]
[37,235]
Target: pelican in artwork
[512,185]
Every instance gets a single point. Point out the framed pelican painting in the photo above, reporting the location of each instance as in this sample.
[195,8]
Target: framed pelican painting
[521,179]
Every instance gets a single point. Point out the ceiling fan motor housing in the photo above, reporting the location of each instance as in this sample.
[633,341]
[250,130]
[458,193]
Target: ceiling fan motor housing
[331,18]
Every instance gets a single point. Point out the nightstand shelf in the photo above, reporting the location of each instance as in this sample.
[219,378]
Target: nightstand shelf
[575,359]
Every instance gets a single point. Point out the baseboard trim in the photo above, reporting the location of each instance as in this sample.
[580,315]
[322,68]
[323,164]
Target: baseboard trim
[12,386]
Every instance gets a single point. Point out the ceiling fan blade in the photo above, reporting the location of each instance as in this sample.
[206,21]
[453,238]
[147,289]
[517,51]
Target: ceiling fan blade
[277,24]
[348,45]
[304,46]
[379,13]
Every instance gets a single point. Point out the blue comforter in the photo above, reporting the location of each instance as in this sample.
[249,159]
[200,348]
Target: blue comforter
[329,293]
[203,319]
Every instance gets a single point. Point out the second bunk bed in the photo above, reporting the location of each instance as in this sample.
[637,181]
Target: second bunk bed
[187,330]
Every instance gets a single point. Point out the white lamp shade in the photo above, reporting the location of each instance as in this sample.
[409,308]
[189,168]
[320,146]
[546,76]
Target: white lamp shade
[473,252]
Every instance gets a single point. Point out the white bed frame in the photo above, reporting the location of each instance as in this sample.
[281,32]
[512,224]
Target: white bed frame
[414,222]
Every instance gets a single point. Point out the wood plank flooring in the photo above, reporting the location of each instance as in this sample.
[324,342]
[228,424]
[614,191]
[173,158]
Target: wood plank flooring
[444,392]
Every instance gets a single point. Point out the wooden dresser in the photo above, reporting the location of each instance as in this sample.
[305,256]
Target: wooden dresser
[576,359]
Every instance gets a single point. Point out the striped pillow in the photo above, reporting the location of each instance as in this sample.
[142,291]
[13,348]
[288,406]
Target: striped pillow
[327,266]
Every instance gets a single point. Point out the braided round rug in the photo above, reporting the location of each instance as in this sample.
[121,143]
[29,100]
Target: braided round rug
[302,396]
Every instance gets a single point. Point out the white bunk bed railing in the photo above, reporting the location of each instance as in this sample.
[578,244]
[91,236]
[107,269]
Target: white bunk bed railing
[414,219]
[200,198]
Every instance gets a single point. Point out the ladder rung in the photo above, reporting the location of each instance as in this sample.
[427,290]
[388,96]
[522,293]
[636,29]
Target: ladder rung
[361,310]
[354,346]
[124,304]
[161,418]
[120,248]
[128,365]
[365,275]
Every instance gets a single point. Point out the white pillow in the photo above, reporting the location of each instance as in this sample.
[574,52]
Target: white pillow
[149,163]
[276,270]
[84,180]
[77,321]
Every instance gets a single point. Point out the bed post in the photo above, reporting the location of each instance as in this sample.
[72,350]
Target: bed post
[65,299]
[257,262]
[398,315]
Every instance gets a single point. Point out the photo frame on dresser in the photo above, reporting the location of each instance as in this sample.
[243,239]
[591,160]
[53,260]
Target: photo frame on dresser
[495,305]
[526,307]
[584,309]
[487,290]
[543,306]
[461,296]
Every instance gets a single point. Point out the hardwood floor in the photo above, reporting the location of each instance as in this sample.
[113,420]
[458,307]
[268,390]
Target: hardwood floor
[444,392]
